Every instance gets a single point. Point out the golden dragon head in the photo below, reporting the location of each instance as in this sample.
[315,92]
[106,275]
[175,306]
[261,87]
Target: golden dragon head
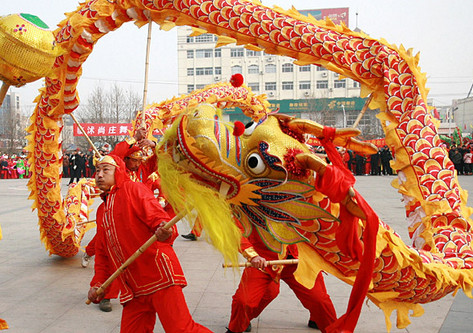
[266,174]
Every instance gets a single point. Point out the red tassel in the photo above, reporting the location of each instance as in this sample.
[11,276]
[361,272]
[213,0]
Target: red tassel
[238,128]
[236,80]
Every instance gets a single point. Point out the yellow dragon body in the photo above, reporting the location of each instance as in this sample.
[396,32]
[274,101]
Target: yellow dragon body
[404,276]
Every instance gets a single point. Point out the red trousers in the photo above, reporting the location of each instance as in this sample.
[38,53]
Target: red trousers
[139,314]
[257,289]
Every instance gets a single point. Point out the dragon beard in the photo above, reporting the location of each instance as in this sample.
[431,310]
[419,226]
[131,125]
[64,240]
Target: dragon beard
[213,214]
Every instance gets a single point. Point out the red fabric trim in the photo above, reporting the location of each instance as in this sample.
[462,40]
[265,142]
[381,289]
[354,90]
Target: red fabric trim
[347,235]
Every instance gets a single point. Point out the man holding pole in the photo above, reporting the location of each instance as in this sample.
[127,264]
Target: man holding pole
[151,284]
[259,285]
[131,151]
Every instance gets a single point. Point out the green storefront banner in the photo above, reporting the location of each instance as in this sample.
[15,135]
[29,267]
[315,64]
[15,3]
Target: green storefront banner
[295,107]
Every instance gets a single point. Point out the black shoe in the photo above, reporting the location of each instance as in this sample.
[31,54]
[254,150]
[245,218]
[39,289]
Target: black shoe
[313,324]
[105,305]
[190,236]
[248,329]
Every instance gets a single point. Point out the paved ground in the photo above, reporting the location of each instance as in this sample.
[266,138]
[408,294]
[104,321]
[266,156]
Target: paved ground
[39,293]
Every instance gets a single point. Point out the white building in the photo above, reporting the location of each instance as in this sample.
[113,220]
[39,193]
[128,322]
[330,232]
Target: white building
[462,111]
[294,89]
[11,125]
[201,64]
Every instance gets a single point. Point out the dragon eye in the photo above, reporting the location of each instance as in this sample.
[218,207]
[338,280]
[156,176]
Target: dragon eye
[256,164]
[249,128]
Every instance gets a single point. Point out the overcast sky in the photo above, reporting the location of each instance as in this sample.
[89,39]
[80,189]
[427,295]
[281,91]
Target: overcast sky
[440,30]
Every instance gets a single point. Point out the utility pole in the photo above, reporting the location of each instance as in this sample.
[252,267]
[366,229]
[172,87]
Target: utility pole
[469,91]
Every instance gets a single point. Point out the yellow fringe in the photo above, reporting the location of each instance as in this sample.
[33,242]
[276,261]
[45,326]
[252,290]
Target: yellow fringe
[214,214]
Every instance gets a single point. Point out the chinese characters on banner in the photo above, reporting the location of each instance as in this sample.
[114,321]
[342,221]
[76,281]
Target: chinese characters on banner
[104,129]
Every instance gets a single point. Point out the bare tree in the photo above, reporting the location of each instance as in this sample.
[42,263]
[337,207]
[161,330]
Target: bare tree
[114,106]
[95,110]
[117,104]
[133,101]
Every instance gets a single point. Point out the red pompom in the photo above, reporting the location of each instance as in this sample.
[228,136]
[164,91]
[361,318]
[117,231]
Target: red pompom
[238,128]
[236,80]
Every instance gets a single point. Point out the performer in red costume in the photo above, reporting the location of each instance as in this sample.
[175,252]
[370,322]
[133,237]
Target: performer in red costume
[153,283]
[131,151]
[259,285]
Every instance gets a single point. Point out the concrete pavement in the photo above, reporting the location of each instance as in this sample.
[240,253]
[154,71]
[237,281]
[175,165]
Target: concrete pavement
[39,293]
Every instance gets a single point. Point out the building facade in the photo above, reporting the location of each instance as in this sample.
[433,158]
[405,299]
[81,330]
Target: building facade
[462,114]
[305,91]
[12,124]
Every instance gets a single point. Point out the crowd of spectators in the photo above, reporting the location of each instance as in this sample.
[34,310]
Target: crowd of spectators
[78,165]
[461,157]
[375,164]
[14,166]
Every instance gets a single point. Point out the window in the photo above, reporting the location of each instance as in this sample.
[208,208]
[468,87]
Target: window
[190,72]
[322,84]
[218,53]
[320,68]
[356,84]
[254,86]
[251,53]
[204,71]
[287,85]
[204,38]
[253,69]
[305,68]
[218,70]
[190,39]
[235,53]
[287,68]
[270,68]
[190,88]
[329,119]
[304,85]
[200,86]
[270,86]
[206,53]
[236,69]
[339,83]
[190,54]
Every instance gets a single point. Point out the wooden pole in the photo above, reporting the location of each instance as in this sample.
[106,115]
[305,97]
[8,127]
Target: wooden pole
[269,262]
[85,134]
[145,89]
[362,112]
[135,255]
[85,222]
[3,92]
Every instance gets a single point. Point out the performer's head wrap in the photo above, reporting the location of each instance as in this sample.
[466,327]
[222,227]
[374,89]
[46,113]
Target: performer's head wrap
[134,152]
[120,169]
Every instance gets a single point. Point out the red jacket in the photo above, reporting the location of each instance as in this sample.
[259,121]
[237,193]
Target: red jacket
[126,219]
[146,168]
